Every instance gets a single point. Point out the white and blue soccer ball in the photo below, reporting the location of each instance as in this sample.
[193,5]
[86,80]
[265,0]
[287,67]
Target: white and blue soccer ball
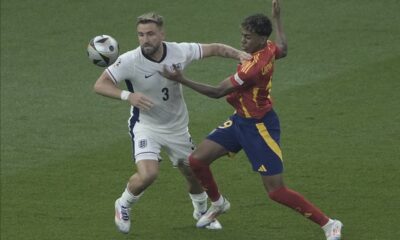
[103,50]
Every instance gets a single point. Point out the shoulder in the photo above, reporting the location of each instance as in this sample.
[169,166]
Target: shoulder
[272,48]
[185,51]
[132,54]
[182,46]
[130,57]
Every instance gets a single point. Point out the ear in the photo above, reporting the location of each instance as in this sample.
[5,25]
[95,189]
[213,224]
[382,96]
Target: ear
[265,39]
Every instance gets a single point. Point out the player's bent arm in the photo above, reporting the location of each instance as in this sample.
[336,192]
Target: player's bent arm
[223,89]
[223,50]
[280,37]
[106,87]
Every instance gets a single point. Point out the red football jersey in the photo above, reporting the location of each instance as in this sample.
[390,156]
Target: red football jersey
[253,79]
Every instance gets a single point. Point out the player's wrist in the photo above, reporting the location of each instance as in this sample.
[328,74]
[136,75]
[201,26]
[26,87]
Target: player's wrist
[125,95]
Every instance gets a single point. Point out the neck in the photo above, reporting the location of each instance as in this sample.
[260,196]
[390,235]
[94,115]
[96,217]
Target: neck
[262,46]
[158,55]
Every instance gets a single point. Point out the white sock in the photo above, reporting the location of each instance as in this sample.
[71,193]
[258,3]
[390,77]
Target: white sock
[327,226]
[127,199]
[199,202]
[219,202]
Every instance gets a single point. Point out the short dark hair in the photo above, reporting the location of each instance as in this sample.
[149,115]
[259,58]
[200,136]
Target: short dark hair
[150,17]
[258,23]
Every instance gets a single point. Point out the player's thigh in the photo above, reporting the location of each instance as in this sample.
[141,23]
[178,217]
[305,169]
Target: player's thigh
[208,151]
[178,147]
[261,146]
[221,141]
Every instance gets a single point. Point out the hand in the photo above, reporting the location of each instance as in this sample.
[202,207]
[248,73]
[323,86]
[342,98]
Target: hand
[174,75]
[140,101]
[244,56]
[276,9]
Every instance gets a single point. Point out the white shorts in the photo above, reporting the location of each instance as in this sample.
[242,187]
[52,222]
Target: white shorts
[147,145]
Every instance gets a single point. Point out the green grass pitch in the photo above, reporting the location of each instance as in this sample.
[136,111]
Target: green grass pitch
[65,151]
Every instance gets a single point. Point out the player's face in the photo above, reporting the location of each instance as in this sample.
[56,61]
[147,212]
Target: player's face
[150,38]
[252,42]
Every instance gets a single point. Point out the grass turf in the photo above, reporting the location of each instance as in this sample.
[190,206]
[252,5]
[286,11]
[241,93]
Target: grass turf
[65,152]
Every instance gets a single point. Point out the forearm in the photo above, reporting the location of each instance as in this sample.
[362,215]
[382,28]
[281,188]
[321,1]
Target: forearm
[228,51]
[221,50]
[280,37]
[105,87]
[107,91]
[205,89]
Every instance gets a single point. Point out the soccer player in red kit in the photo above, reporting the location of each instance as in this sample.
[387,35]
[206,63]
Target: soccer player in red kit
[254,127]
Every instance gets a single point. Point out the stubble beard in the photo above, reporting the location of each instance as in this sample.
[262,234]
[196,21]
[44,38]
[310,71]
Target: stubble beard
[149,50]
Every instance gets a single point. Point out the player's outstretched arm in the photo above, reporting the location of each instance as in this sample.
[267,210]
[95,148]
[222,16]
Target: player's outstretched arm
[106,87]
[224,88]
[280,37]
[223,50]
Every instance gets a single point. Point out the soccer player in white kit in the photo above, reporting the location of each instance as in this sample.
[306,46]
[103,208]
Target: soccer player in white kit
[159,117]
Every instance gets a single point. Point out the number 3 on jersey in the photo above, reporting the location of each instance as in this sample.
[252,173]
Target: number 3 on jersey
[166,94]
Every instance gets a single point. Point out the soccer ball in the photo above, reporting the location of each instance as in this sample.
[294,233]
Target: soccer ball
[103,50]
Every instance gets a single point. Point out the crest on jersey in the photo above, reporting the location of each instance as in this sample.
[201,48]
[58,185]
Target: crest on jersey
[142,143]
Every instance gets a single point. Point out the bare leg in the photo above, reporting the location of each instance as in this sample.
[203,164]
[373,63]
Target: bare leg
[193,184]
[147,172]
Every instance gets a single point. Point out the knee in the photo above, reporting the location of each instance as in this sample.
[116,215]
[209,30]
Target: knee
[186,170]
[149,177]
[145,179]
[278,194]
[195,164]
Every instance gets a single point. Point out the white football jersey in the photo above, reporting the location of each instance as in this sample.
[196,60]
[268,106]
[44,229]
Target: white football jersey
[141,74]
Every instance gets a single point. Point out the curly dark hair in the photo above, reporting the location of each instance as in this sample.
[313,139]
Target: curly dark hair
[258,23]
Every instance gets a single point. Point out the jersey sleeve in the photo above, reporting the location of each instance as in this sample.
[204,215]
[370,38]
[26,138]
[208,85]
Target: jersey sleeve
[236,80]
[192,51]
[119,70]
[245,74]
